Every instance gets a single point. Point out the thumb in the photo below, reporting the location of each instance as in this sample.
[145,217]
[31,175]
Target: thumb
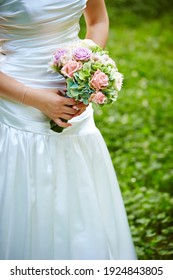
[61,122]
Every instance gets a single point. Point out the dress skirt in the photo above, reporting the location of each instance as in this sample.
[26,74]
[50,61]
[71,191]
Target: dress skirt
[59,196]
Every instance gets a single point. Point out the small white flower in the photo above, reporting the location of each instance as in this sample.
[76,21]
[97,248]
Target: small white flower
[88,43]
[66,57]
[50,67]
[113,73]
[96,57]
[118,81]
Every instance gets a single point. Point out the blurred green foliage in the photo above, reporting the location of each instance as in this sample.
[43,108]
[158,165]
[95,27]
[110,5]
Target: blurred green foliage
[146,8]
[138,127]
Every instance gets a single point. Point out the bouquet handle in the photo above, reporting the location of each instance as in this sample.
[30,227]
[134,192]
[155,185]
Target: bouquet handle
[56,127]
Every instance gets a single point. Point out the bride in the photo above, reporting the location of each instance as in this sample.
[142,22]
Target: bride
[59,196]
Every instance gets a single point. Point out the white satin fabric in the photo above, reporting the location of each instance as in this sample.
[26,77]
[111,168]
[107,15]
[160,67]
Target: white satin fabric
[59,196]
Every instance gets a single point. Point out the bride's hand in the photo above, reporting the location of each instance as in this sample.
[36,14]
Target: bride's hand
[54,105]
[80,107]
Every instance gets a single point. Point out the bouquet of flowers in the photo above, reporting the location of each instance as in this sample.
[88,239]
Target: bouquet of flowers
[91,75]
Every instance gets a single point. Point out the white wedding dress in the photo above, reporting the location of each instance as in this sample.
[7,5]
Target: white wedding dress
[59,196]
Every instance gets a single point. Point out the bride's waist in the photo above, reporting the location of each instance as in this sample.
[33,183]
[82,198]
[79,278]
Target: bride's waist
[29,119]
[21,111]
[31,72]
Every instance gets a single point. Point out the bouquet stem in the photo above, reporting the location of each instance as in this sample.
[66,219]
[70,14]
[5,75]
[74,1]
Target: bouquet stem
[56,127]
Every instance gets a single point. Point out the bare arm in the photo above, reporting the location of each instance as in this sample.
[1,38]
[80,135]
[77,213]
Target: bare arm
[48,101]
[11,89]
[97,21]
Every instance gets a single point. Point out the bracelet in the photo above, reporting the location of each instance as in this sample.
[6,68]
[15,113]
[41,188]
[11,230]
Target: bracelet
[24,94]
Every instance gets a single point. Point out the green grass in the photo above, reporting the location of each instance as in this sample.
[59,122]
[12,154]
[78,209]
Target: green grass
[138,129]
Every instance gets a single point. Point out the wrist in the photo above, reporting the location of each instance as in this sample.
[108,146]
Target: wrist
[29,97]
[24,94]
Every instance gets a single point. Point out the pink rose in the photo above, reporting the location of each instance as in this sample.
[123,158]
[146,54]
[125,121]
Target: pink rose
[98,98]
[99,80]
[70,68]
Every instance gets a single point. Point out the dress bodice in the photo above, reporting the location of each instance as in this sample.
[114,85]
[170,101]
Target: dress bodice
[31,31]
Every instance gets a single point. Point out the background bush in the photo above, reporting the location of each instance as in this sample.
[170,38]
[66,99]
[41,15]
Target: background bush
[147,8]
[138,126]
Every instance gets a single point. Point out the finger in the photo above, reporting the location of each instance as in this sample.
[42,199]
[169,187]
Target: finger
[79,112]
[69,101]
[67,116]
[76,108]
[80,106]
[59,122]
[81,103]
[69,110]
[62,92]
